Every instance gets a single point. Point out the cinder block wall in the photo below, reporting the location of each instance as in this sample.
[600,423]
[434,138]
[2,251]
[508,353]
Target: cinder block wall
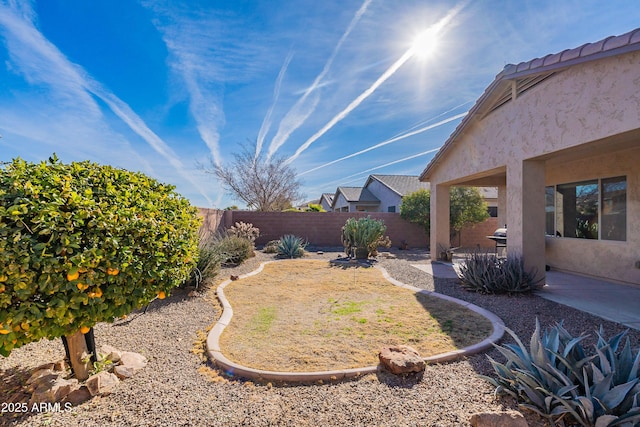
[471,237]
[318,228]
[323,228]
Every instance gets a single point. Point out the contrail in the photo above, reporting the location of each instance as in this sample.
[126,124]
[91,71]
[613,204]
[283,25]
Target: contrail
[388,141]
[425,121]
[266,124]
[342,180]
[344,113]
[436,28]
[293,119]
[40,57]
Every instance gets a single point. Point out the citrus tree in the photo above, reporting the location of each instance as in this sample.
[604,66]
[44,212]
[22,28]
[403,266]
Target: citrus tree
[466,207]
[82,243]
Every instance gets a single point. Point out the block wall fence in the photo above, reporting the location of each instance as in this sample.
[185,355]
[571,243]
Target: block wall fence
[323,228]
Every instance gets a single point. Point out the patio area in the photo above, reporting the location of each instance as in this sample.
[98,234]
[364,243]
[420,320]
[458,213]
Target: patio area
[610,301]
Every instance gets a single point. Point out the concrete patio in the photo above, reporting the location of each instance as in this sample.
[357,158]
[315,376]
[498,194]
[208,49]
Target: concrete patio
[608,300]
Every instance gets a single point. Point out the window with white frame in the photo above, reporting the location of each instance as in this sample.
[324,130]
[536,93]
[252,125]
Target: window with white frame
[593,209]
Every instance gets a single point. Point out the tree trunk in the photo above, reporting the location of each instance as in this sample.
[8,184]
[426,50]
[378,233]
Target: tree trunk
[78,351]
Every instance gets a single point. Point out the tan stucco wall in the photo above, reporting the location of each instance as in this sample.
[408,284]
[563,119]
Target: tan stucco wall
[588,102]
[585,103]
[601,258]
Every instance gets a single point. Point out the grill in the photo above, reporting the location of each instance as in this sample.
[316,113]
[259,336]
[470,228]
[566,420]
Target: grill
[500,237]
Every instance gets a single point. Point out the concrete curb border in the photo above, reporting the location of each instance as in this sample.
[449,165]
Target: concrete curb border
[235,369]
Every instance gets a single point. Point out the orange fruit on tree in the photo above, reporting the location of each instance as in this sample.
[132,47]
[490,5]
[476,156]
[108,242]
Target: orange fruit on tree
[162,295]
[4,331]
[97,293]
[112,271]
[72,276]
[85,329]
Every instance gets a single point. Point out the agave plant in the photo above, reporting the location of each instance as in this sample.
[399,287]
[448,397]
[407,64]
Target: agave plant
[486,273]
[291,246]
[555,378]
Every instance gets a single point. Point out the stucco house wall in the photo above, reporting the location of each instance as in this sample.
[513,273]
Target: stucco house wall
[386,196]
[341,204]
[325,203]
[584,103]
[583,122]
[604,258]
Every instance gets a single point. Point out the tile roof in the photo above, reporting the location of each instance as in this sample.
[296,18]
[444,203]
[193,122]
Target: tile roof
[357,194]
[532,72]
[329,196]
[610,46]
[400,184]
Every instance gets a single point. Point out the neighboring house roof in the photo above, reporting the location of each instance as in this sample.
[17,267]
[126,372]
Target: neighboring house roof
[310,202]
[516,79]
[399,184]
[327,196]
[488,192]
[356,194]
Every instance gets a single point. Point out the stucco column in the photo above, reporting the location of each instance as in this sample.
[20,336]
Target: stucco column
[502,205]
[526,213]
[439,211]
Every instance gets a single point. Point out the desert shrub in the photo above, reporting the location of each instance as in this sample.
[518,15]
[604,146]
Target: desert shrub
[83,243]
[271,247]
[556,378]
[364,235]
[315,207]
[210,260]
[244,230]
[291,246]
[488,274]
[233,250]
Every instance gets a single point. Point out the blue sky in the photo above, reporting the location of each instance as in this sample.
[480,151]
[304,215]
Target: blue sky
[157,86]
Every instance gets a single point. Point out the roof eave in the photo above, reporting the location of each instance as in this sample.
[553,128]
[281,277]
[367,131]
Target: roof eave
[555,63]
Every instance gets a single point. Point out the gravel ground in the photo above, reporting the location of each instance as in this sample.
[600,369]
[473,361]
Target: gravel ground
[177,388]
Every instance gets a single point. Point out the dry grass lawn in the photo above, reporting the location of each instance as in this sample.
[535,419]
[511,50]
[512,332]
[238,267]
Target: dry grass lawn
[309,316]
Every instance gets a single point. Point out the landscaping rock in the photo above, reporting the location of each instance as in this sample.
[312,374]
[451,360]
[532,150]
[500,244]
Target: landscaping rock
[44,367]
[102,383]
[78,396]
[61,366]
[123,372]
[52,388]
[401,359]
[110,353]
[498,419]
[40,375]
[133,361]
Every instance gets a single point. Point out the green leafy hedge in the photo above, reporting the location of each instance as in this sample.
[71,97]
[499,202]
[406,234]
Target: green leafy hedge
[82,243]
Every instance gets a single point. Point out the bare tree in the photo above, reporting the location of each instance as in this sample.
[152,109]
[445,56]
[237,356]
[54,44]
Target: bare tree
[264,184]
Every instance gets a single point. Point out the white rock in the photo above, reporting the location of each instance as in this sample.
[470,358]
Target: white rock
[110,353]
[102,383]
[133,361]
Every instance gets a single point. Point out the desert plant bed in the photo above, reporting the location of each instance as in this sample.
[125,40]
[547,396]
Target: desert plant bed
[302,316]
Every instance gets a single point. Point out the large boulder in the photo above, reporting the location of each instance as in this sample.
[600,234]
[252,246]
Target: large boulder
[498,419]
[401,359]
